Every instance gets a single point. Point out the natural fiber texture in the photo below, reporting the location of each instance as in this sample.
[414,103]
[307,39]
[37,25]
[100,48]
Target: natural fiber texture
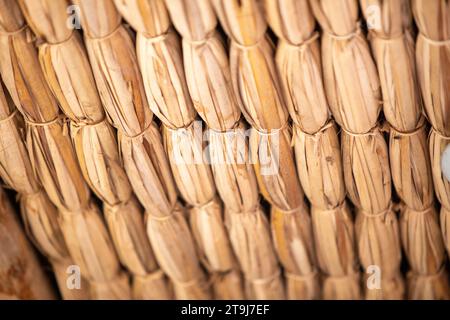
[67,70]
[39,215]
[432,58]
[257,89]
[21,274]
[110,48]
[159,55]
[316,144]
[54,162]
[353,91]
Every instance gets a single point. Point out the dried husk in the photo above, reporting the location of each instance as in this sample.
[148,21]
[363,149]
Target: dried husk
[53,158]
[423,245]
[21,274]
[122,94]
[251,240]
[298,62]
[205,63]
[335,245]
[433,60]
[350,74]
[410,168]
[319,166]
[193,176]
[368,181]
[175,250]
[293,239]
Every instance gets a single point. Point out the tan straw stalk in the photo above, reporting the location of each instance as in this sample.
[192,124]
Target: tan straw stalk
[115,67]
[353,90]
[209,81]
[54,162]
[39,215]
[316,143]
[66,68]
[21,274]
[257,89]
[393,48]
[433,63]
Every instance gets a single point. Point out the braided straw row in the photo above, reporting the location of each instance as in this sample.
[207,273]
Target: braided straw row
[209,81]
[317,149]
[257,89]
[53,160]
[182,140]
[115,67]
[393,48]
[353,91]
[68,73]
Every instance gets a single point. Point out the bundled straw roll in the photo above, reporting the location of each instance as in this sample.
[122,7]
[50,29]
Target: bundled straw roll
[293,239]
[410,151]
[351,81]
[319,166]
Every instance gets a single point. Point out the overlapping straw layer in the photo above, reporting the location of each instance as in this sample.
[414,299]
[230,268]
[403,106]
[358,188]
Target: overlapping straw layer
[68,73]
[393,48]
[54,162]
[258,93]
[433,62]
[316,143]
[21,274]
[116,71]
[38,213]
[353,91]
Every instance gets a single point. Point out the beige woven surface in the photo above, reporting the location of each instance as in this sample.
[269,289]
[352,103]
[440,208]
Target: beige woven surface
[240,149]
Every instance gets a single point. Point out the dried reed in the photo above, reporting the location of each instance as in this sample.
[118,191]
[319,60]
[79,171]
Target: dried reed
[258,94]
[353,90]
[393,48]
[21,274]
[317,149]
[68,73]
[54,162]
[115,67]
[433,61]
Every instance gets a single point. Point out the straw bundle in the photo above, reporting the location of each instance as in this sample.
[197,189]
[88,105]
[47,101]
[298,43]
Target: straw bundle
[21,275]
[208,78]
[38,213]
[353,91]
[316,145]
[432,58]
[115,67]
[258,93]
[53,160]
[393,48]
[66,68]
